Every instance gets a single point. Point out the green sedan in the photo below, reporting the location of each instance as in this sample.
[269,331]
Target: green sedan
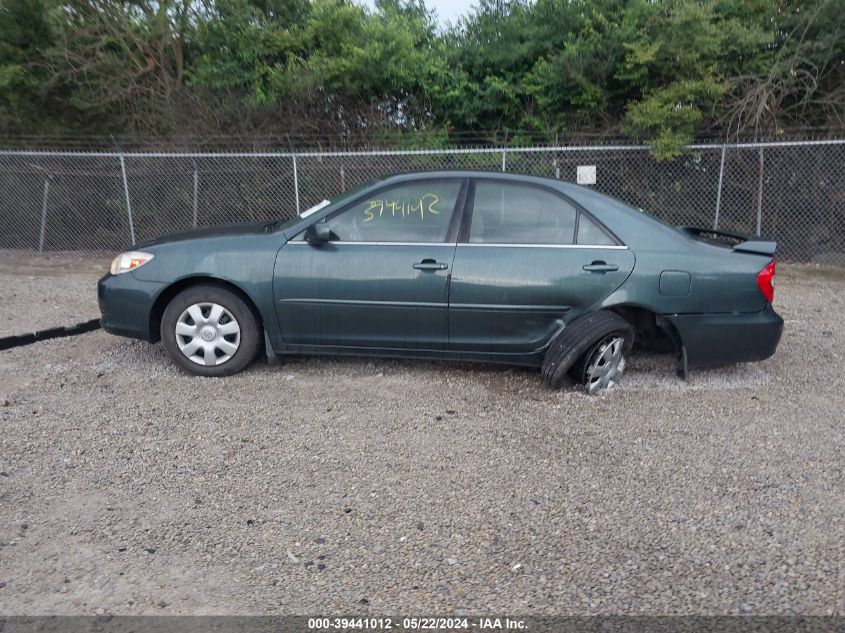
[468,266]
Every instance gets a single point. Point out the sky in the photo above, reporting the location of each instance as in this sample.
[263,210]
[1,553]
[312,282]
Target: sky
[447,10]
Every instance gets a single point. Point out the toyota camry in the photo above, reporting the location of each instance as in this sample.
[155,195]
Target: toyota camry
[468,266]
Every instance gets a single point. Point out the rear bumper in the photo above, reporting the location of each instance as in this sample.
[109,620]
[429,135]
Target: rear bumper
[720,339]
[125,305]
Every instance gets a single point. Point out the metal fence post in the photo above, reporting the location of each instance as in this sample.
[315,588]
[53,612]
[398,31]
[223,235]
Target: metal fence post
[504,159]
[760,195]
[196,188]
[43,231]
[296,184]
[719,190]
[128,205]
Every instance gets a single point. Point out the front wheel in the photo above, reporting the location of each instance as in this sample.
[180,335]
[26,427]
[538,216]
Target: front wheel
[209,331]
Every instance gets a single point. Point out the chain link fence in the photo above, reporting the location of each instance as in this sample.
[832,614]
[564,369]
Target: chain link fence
[793,192]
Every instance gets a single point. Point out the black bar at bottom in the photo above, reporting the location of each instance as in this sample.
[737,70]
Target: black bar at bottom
[494,622]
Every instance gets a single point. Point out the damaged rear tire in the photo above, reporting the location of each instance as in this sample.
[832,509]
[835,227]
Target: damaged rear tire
[591,349]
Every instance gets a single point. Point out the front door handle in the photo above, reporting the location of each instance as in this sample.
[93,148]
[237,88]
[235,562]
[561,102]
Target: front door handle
[430,264]
[600,267]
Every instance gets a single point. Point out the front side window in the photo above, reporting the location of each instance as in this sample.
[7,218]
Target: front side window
[504,213]
[413,212]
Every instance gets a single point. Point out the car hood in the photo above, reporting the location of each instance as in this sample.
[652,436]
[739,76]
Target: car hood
[227,230]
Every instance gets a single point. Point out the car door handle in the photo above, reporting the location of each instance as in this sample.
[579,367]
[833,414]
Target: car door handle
[430,264]
[600,267]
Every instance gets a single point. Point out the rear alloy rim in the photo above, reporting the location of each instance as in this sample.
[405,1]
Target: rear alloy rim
[606,364]
[208,334]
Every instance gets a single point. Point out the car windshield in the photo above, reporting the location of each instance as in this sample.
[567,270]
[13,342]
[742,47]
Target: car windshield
[314,209]
[341,197]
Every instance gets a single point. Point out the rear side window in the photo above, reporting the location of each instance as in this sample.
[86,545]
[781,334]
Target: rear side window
[590,233]
[505,213]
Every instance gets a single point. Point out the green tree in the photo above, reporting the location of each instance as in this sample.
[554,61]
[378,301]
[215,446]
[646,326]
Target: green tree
[677,55]
[799,78]
[662,71]
[26,29]
[574,84]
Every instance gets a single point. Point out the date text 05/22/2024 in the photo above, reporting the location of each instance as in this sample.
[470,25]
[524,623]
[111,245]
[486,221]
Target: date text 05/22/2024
[425,624]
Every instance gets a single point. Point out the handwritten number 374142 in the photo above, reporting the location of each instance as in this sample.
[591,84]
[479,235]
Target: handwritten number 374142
[425,208]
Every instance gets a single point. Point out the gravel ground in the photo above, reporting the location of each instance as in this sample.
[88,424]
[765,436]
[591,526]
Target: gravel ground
[359,486]
[48,290]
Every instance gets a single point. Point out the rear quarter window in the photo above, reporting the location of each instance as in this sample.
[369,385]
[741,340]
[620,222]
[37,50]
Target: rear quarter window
[590,233]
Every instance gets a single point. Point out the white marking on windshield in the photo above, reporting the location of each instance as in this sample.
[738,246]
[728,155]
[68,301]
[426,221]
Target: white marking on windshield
[314,209]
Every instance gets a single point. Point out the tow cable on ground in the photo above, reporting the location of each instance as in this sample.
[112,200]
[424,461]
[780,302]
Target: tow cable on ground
[8,342]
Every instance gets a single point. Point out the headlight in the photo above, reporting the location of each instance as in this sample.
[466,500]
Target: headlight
[125,262]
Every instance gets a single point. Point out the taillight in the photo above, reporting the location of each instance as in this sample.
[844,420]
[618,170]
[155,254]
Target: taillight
[766,281]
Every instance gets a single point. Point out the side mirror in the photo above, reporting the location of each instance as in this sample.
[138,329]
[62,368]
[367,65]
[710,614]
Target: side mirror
[318,233]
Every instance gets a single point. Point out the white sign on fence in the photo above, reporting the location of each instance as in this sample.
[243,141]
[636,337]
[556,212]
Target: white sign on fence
[586,175]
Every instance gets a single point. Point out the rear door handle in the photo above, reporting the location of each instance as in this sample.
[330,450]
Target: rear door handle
[430,264]
[600,267]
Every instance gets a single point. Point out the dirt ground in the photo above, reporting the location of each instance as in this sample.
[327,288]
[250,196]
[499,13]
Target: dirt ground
[368,486]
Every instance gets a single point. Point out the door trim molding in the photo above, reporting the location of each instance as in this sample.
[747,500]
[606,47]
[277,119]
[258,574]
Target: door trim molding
[591,246]
[340,243]
[611,247]
[506,307]
[364,302]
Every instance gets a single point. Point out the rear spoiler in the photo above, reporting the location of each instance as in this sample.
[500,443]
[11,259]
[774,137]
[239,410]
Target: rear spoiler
[739,242]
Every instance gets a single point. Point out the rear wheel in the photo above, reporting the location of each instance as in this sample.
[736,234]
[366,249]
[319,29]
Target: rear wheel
[596,341]
[602,366]
[209,331]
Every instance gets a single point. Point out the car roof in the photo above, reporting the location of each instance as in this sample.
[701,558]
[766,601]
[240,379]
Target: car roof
[470,173]
[578,192]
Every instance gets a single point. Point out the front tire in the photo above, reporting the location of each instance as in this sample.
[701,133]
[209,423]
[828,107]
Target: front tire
[210,331]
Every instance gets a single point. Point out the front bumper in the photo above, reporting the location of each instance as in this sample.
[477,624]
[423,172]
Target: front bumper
[720,339]
[126,305]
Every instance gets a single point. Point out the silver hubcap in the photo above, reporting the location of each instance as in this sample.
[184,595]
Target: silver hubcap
[208,334]
[606,364]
